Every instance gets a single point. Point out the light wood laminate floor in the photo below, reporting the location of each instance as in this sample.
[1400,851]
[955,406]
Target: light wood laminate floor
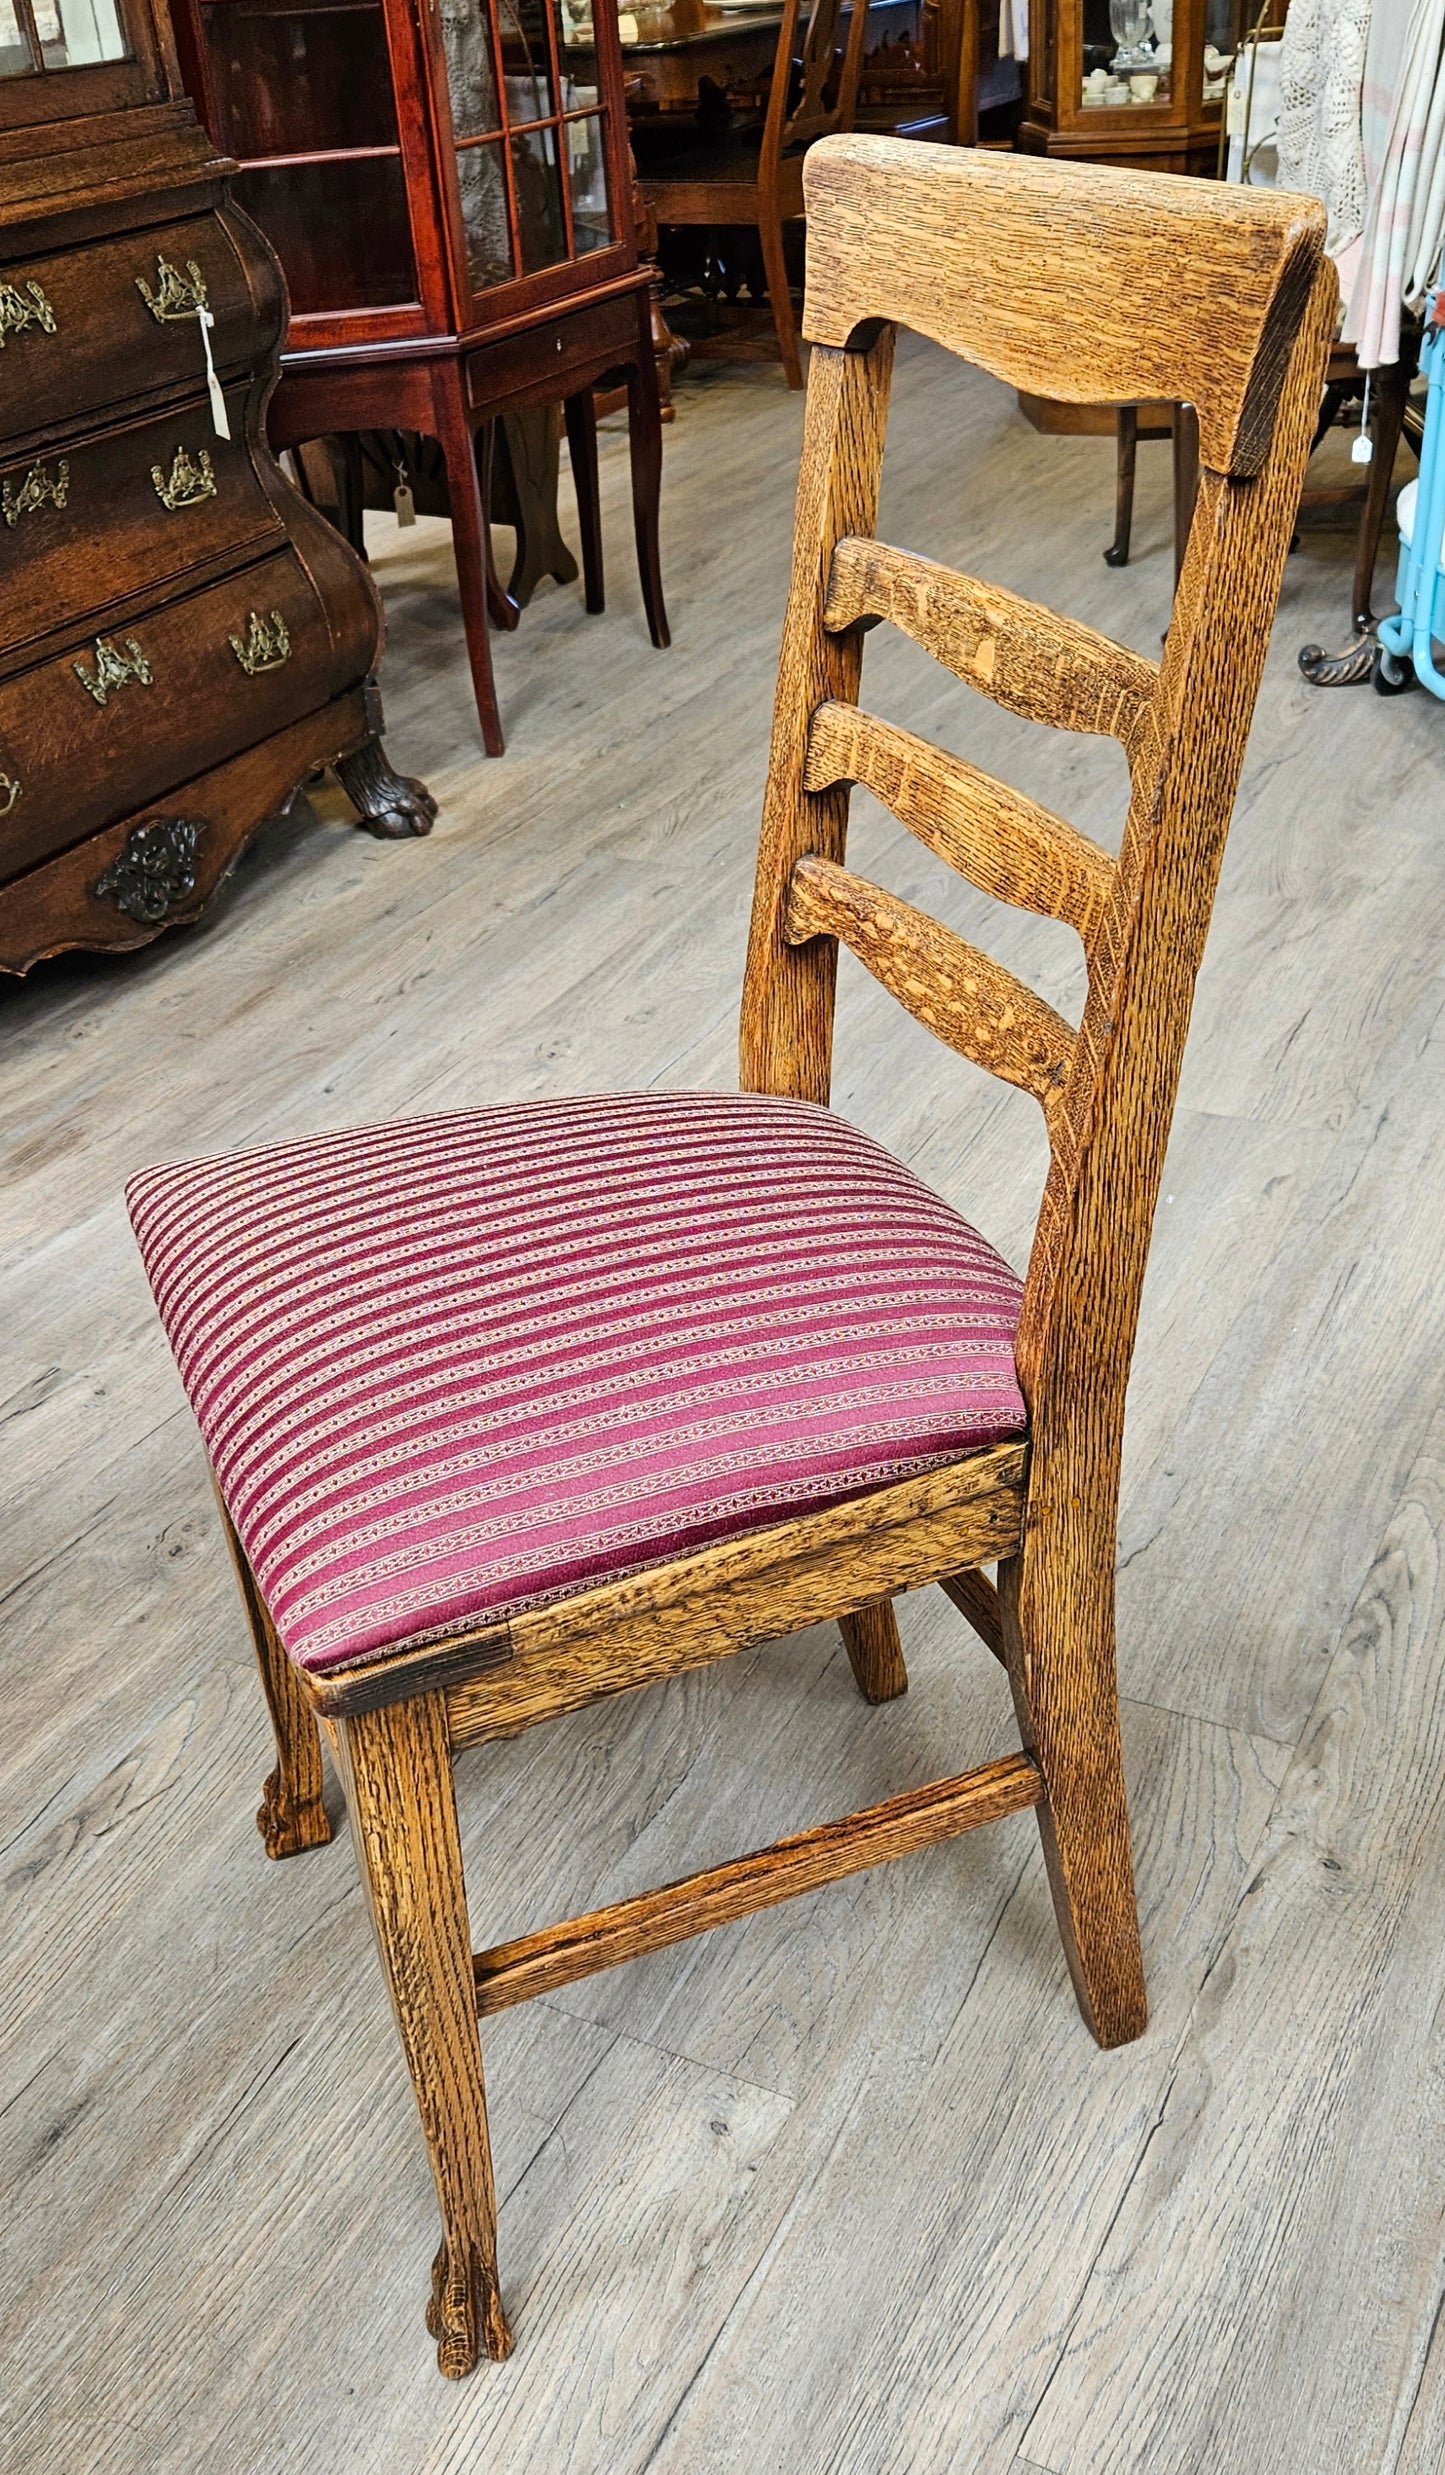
[845,2189]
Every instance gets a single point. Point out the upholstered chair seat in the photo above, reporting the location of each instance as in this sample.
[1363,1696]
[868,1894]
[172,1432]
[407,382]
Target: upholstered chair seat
[456,1367]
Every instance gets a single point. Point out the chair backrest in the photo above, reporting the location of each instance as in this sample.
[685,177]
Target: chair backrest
[815,73]
[1093,286]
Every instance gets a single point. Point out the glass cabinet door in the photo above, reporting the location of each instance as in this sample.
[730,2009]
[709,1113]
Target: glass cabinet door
[528,127]
[36,35]
[302,95]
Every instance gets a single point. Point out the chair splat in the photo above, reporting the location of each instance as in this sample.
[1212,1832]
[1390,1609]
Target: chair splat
[1027,658]
[1003,843]
[961,995]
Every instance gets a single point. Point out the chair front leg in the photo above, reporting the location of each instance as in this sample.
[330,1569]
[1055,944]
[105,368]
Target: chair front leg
[1058,1629]
[292,1815]
[396,1767]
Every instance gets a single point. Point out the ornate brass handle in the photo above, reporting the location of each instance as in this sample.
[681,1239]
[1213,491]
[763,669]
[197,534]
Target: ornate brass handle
[112,669]
[173,296]
[38,489]
[265,645]
[9,793]
[19,310]
[189,482]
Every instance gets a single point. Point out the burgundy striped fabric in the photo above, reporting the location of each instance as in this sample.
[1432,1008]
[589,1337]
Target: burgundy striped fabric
[454,1367]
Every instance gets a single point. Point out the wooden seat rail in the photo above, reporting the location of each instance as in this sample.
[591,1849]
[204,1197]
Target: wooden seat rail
[559,1954]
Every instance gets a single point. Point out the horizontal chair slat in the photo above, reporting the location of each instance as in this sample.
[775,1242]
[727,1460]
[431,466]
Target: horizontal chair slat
[1003,843]
[1027,658]
[963,996]
[538,1963]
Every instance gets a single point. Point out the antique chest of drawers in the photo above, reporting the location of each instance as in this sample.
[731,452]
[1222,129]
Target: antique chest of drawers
[183,639]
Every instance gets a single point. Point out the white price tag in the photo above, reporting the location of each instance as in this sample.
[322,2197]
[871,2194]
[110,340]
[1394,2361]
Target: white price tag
[1236,112]
[220,422]
[1362,449]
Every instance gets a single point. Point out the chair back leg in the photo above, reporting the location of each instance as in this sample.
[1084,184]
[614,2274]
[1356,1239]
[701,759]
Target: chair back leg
[396,1767]
[292,1815]
[875,1652]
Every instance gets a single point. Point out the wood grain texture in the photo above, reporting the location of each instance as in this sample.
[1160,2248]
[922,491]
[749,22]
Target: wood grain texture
[1003,843]
[875,1653]
[396,1768]
[679,1616]
[962,995]
[1323,2003]
[1032,660]
[293,1814]
[976,1597]
[557,1955]
[983,251]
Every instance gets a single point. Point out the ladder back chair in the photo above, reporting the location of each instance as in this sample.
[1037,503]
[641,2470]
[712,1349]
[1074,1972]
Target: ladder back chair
[754,179]
[517,1408]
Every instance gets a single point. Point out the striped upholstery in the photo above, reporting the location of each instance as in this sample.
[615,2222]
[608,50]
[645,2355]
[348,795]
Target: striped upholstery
[453,1367]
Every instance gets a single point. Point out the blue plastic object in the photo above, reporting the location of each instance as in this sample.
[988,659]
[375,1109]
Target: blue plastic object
[1410,636]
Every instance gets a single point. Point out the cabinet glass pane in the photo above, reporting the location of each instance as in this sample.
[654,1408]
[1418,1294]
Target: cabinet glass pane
[16,57]
[339,227]
[587,176]
[471,77]
[541,227]
[526,61]
[482,182]
[299,79]
[74,34]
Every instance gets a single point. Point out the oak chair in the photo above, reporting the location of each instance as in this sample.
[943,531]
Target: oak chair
[518,1408]
[756,179]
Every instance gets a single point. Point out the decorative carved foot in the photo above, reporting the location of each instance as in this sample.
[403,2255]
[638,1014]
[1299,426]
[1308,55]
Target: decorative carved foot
[288,1823]
[1347,669]
[453,2318]
[390,805]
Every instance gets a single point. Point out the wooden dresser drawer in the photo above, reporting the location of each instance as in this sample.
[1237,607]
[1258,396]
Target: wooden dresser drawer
[538,361]
[114,722]
[164,495]
[78,334]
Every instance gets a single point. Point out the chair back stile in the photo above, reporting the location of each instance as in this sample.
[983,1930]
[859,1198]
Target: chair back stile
[1231,311]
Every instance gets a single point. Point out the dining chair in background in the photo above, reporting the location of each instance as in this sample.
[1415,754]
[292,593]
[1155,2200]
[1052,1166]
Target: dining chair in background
[754,177]
[517,1408]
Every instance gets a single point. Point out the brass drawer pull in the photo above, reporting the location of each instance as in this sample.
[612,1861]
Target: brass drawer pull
[9,793]
[173,296]
[19,310]
[265,646]
[38,489]
[113,670]
[189,482]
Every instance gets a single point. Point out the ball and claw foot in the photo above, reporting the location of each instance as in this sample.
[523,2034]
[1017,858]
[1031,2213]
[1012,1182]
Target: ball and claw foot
[453,2319]
[288,1826]
[390,805]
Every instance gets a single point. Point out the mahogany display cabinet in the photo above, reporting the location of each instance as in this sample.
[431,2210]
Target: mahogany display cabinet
[182,639]
[1140,83]
[448,188]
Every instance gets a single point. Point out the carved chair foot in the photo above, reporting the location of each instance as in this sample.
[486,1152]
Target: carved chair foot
[1347,669]
[287,1824]
[465,2315]
[390,805]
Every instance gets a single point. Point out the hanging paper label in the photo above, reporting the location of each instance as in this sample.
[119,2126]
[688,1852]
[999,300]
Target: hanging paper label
[405,504]
[1362,449]
[1236,112]
[220,423]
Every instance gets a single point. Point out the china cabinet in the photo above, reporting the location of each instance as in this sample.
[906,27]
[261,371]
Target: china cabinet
[182,640]
[1134,82]
[448,189]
